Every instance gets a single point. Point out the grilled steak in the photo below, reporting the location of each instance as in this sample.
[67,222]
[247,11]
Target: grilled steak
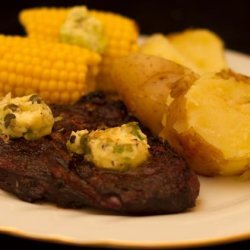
[43,170]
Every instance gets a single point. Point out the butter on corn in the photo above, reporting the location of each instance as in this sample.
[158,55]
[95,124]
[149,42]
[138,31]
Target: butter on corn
[83,29]
[59,73]
[121,33]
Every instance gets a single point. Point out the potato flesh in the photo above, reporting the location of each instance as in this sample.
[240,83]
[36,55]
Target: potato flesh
[202,47]
[200,50]
[207,119]
[218,112]
[144,82]
[159,45]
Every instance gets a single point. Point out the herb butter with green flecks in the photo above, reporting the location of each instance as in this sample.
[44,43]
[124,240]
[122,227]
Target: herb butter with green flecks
[28,116]
[118,148]
[82,29]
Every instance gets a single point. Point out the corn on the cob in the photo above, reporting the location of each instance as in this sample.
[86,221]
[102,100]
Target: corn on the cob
[57,72]
[121,33]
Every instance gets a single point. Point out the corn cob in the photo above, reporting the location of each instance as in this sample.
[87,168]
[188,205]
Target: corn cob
[121,33]
[57,72]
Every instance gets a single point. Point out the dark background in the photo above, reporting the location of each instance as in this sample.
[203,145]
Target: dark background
[229,19]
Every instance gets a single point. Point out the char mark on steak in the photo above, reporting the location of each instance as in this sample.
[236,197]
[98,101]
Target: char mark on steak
[43,170]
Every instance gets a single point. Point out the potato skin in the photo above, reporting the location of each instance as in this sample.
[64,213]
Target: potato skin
[154,88]
[202,156]
[144,82]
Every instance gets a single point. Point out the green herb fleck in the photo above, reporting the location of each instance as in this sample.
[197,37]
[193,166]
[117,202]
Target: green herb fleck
[136,131]
[126,163]
[13,107]
[35,99]
[128,147]
[29,135]
[72,139]
[84,144]
[8,119]
[118,148]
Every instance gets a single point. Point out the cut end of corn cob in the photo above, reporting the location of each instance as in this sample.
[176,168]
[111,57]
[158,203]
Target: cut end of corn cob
[57,72]
[121,33]
[122,36]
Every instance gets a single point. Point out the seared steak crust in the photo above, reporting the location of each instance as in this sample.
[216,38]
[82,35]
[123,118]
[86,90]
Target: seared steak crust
[43,170]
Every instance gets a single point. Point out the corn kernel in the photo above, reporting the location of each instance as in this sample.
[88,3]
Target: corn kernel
[31,69]
[19,91]
[35,71]
[56,95]
[75,95]
[28,91]
[58,65]
[19,80]
[121,34]
[45,95]
[65,97]
[45,74]
[26,81]
[3,77]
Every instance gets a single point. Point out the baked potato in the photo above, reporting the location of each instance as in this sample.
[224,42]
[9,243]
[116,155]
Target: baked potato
[144,83]
[160,45]
[200,50]
[209,124]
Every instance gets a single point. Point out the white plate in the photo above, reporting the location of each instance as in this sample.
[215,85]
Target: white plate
[222,214]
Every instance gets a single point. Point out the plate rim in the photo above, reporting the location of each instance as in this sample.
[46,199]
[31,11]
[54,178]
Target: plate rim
[60,239]
[11,231]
